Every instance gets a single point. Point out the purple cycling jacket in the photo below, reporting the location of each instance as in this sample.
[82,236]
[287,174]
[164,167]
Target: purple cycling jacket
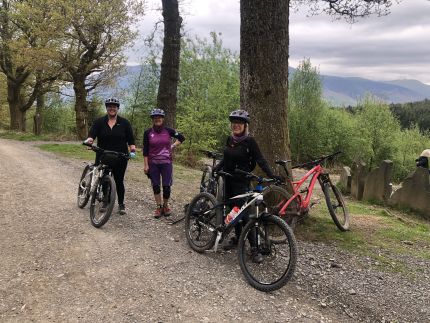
[157,144]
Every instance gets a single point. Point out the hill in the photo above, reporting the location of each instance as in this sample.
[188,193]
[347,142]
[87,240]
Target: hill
[339,91]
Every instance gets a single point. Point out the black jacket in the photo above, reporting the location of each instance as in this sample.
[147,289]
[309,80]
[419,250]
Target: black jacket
[117,139]
[245,156]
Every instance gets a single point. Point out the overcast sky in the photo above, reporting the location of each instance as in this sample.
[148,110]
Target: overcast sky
[396,46]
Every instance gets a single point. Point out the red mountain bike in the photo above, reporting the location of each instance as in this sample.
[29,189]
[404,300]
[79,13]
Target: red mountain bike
[292,207]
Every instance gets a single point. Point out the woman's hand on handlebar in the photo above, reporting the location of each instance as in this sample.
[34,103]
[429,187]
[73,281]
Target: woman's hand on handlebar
[89,141]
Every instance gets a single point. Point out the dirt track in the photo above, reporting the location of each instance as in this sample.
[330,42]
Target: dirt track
[56,267]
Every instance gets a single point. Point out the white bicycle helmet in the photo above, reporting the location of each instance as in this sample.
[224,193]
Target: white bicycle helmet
[113,101]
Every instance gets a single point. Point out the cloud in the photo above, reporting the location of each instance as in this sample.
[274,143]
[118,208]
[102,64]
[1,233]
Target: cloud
[380,48]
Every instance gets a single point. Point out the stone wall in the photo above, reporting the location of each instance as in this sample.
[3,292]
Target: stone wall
[358,173]
[377,186]
[414,193]
[345,179]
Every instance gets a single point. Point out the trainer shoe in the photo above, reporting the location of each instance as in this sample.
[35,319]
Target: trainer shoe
[167,211]
[158,212]
[103,207]
[256,256]
[121,209]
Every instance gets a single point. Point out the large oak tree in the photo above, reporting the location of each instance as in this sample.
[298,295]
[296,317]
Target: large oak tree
[97,33]
[27,50]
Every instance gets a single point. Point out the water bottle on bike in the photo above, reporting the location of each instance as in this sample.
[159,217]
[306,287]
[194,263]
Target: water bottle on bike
[232,215]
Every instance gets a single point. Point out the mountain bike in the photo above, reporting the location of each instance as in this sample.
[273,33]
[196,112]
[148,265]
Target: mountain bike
[294,207]
[97,184]
[205,228]
[210,183]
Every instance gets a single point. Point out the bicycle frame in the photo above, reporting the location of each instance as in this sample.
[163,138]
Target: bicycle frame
[315,172]
[223,229]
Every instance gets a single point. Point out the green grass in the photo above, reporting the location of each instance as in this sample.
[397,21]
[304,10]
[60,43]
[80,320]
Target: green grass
[24,136]
[76,151]
[373,229]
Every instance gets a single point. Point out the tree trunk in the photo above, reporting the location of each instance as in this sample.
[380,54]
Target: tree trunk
[40,104]
[169,74]
[264,73]
[81,107]
[14,98]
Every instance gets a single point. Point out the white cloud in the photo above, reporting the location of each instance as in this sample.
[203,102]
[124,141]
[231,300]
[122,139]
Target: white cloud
[379,48]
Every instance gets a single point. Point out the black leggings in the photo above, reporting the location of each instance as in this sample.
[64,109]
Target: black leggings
[118,174]
[233,188]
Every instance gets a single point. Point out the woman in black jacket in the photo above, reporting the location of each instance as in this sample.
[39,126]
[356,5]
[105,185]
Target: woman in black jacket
[241,152]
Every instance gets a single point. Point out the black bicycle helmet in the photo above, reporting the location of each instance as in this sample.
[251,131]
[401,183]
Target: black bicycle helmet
[240,115]
[156,112]
[112,100]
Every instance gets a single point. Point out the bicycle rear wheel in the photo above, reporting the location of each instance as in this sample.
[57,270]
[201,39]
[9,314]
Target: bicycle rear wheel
[205,181]
[275,198]
[84,187]
[201,221]
[274,239]
[102,201]
[336,205]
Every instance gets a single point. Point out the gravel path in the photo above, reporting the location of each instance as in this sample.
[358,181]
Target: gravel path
[56,267]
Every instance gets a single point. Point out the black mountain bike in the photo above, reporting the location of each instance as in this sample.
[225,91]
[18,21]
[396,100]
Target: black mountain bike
[265,233]
[97,184]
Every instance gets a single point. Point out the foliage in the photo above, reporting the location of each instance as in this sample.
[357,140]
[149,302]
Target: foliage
[370,132]
[208,90]
[379,128]
[306,110]
[413,113]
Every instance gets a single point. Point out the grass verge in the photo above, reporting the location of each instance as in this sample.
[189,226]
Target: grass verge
[27,136]
[384,235]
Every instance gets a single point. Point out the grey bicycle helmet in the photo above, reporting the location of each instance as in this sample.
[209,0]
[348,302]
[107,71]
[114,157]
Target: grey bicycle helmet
[113,101]
[156,112]
[240,115]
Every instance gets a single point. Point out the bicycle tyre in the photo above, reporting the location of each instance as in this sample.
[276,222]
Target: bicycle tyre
[97,200]
[202,223]
[206,175]
[332,192]
[84,188]
[275,198]
[267,245]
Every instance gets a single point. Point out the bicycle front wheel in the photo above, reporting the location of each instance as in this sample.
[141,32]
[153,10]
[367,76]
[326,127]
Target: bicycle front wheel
[275,198]
[267,253]
[201,221]
[102,201]
[336,205]
[84,187]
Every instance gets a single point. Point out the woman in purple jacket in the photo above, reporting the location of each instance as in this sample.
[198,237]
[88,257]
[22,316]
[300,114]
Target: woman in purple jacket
[157,152]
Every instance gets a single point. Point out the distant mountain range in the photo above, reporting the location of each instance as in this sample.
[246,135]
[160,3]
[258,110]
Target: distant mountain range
[339,91]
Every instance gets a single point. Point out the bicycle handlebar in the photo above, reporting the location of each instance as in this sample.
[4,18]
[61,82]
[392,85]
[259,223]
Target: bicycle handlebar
[259,179]
[101,150]
[317,161]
